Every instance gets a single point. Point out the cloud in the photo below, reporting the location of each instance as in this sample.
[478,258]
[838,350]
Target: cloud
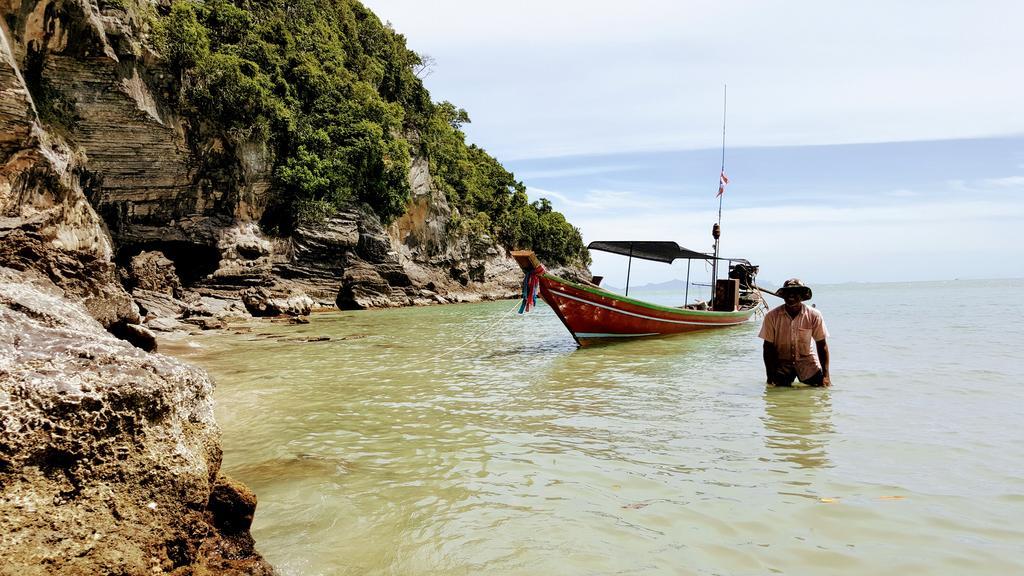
[1004,188]
[903,193]
[563,200]
[922,211]
[1007,182]
[605,201]
[650,78]
[553,173]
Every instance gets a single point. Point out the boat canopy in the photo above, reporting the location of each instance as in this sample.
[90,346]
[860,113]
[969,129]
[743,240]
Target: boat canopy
[667,251]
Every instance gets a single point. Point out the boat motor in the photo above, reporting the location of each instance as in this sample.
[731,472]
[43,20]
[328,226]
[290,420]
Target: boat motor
[744,272]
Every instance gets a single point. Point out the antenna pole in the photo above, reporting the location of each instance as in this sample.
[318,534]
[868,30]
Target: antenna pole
[725,102]
[717,229]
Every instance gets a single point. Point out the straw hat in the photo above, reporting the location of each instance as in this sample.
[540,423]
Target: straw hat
[796,285]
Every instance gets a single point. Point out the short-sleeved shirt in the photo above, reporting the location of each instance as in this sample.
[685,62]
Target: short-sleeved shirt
[794,338]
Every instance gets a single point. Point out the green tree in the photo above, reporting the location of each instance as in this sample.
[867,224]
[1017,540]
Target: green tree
[334,93]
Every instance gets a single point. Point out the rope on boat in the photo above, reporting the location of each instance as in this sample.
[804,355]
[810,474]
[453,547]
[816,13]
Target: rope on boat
[762,307]
[488,329]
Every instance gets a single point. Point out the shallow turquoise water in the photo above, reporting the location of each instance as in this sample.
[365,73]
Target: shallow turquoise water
[467,440]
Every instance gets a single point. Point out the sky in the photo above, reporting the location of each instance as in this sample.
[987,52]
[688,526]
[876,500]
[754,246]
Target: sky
[865,141]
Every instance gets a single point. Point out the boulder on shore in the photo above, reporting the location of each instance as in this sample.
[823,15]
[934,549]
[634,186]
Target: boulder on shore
[281,302]
[109,455]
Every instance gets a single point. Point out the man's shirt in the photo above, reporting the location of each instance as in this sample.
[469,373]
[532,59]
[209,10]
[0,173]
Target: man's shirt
[794,338]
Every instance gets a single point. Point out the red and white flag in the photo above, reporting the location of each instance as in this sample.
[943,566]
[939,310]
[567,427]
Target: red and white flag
[722,181]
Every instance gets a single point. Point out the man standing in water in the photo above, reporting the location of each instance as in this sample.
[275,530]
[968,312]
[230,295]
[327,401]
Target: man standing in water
[787,332]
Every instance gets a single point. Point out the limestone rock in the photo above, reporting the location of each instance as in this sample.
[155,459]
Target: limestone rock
[233,506]
[163,324]
[244,241]
[152,271]
[16,116]
[316,256]
[375,247]
[264,302]
[223,308]
[158,304]
[139,336]
[206,322]
[82,276]
[246,260]
[363,287]
[421,234]
[108,454]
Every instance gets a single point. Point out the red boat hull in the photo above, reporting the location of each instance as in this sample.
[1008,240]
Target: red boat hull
[594,315]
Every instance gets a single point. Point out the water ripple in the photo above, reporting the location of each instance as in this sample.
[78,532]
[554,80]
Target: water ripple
[439,441]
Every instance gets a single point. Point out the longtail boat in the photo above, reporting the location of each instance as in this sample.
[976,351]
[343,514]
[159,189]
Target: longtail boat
[595,315]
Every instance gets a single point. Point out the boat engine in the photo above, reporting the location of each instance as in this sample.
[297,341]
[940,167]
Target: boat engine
[746,273]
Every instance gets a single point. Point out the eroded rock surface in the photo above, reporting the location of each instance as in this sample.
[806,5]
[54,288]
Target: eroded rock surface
[264,302]
[82,276]
[152,271]
[109,456]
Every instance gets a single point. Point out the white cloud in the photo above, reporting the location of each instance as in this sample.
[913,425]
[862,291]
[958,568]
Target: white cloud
[544,78]
[903,193]
[604,201]
[575,171]
[1007,182]
[562,199]
[987,187]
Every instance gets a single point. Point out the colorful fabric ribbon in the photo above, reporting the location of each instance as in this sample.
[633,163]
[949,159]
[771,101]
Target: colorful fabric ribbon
[531,285]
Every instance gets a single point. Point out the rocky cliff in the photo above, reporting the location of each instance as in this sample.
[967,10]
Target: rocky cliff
[97,160]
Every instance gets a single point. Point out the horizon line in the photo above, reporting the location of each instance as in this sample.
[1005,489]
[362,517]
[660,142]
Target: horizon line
[833,283]
[668,149]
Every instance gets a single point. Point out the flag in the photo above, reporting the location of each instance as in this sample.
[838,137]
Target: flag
[722,181]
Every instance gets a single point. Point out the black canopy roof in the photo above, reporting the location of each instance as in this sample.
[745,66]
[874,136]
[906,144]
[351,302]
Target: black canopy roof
[667,252]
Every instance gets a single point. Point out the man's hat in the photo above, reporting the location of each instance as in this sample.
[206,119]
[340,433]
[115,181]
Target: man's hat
[796,285]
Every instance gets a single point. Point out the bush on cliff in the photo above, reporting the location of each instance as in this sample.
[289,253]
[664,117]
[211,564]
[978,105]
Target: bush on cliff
[335,95]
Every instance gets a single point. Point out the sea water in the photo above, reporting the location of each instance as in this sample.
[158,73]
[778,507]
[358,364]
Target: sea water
[468,439]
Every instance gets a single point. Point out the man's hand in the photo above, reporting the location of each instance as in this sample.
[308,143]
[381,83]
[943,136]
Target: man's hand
[823,355]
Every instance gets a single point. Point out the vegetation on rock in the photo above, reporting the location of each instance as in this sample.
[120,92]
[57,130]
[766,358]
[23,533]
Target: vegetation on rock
[334,94]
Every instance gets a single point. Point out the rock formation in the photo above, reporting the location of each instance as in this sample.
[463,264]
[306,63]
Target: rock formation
[93,145]
[109,456]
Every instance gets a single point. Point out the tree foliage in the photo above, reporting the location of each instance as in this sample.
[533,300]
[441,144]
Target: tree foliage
[335,94]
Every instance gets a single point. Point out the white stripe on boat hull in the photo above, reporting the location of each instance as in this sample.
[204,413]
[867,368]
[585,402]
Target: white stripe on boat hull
[606,335]
[656,319]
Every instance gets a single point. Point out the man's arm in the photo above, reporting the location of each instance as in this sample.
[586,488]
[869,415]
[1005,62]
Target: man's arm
[822,346]
[771,360]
